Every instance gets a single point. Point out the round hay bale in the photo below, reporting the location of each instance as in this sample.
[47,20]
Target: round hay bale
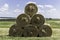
[38,19]
[23,20]
[15,31]
[30,31]
[20,32]
[31,9]
[47,24]
[45,31]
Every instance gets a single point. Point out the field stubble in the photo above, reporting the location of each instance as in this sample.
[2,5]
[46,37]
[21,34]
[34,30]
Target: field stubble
[4,33]
[5,25]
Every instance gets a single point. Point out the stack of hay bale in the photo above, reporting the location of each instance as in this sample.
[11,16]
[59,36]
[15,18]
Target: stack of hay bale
[30,24]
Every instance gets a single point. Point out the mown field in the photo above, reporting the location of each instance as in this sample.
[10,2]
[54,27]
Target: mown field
[5,25]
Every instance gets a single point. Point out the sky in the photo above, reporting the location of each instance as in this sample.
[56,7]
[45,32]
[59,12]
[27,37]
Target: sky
[12,8]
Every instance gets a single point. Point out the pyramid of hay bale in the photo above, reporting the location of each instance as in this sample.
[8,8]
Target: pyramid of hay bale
[30,24]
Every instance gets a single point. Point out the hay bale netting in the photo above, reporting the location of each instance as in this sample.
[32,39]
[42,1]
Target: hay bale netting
[15,31]
[30,31]
[22,20]
[38,19]
[45,31]
[31,9]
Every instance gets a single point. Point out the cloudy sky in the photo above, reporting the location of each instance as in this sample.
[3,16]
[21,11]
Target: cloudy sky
[12,8]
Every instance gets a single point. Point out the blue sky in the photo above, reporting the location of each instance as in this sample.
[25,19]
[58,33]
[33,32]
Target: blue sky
[12,8]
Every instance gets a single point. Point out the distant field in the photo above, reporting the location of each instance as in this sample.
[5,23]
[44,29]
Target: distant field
[54,23]
[5,25]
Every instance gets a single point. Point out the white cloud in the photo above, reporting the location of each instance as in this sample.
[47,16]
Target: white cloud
[40,6]
[46,6]
[18,5]
[52,10]
[52,13]
[48,11]
[4,8]
[31,2]
[49,6]
[17,10]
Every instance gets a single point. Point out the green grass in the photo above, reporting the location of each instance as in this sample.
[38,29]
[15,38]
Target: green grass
[5,25]
[54,23]
[55,36]
[28,38]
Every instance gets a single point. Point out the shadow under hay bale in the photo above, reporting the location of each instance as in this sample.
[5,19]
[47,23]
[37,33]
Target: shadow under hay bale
[30,31]
[31,9]
[15,31]
[22,20]
[45,31]
[38,19]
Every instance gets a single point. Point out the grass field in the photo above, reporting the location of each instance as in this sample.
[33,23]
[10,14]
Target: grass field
[54,23]
[5,25]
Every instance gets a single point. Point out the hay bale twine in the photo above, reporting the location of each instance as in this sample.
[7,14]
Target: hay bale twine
[31,9]
[30,31]
[45,31]
[38,19]
[15,31]
[22,20]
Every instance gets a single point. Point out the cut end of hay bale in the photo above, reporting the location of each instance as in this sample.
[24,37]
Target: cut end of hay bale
[30,31]
[38,19]
[31,9]
[45,31]
[15,31]
[23,20]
